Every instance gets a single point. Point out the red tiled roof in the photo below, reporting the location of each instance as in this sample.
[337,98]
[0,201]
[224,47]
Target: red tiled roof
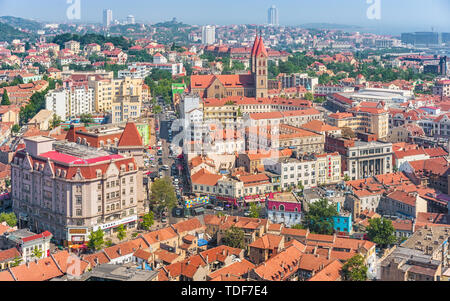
[130,136]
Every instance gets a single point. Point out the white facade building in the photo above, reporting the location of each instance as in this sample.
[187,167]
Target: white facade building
[70,102]
[208,35]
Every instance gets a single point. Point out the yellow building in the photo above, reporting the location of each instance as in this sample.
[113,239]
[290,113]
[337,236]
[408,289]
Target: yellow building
[372,120]
[108,91]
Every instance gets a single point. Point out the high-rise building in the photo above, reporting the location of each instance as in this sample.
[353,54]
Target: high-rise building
[131,19]
[208,35]
[272,17]
[107,17]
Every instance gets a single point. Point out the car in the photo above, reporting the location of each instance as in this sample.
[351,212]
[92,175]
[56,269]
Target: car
[218,208]
[209,206]
[247,213]
[165,167]
[164,220]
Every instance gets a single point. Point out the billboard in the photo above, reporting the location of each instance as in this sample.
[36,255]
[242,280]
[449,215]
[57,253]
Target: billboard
[197,201]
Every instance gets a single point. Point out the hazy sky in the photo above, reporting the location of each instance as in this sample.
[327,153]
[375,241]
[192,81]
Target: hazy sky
[396,15]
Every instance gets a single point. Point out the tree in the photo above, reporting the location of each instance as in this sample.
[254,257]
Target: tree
[8,182]
[309,96]
[348,133]
[319,217]
[255,211]
[163,195]
[56,121]
[5,99]
[86,119]
[234,237]
[9,218]
[148,220]
[381,231]
[157,109]
[15,128]
[37,253]
[96,240]
[121,232]
[300,186]
[346,178]
[355,269]
[299,227]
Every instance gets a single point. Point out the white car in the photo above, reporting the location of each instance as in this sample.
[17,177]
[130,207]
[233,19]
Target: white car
[218,208]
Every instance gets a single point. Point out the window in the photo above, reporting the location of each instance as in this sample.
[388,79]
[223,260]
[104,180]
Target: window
[79,213]
[99,208]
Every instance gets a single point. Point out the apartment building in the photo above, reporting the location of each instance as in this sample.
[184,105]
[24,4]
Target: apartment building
[298,79]
[109,91]
[71,102]
[73,46]
[372,120]
[125,108]
[423,257]
[72,190]
[284,136]
[310,171]
[442,88]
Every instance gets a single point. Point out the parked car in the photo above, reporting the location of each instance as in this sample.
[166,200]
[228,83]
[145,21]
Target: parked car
[218,208]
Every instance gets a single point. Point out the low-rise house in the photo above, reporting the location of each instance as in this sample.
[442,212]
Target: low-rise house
[284,208]
[221,256]
[332,272]
[27,242]
[239,270]
[282,267]
[265,247]
[192,269]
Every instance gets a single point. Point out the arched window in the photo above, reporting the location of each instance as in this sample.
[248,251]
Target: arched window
[281,207]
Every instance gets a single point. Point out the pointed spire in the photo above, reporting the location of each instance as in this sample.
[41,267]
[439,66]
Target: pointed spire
[130,136]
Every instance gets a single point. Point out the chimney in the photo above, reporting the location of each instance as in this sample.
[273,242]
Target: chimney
[96,261]
[119,251]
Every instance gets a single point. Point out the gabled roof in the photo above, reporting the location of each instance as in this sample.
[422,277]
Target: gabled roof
[267,242]
[130,136]
[332,272]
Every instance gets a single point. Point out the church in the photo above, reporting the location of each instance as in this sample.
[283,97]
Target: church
[254,84]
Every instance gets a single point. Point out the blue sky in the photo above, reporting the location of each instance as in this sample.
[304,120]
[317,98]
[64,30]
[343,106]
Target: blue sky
[395,14]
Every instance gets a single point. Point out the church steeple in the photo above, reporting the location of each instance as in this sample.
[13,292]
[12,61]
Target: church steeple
[259,62]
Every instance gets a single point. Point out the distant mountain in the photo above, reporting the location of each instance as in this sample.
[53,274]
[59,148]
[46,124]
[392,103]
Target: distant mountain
[9,33]
[22,23]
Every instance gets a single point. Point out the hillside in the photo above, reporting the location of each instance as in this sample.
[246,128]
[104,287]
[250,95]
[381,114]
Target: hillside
[22,23]
[9,33]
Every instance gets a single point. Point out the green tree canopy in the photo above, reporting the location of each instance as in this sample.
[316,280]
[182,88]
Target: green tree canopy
[96,240]
[5,98]
[163,195]
[56,121]
[309,96]
[9,218]
[86,119]
[234,237]
[15,128]
[148,220]
[121,232]
[255,211]
[381,231]
[355,269]
[319,217]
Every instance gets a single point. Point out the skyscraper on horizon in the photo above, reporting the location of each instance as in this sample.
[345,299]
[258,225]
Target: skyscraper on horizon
[131,19]
[208,35]
[272,18]
[107,17]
